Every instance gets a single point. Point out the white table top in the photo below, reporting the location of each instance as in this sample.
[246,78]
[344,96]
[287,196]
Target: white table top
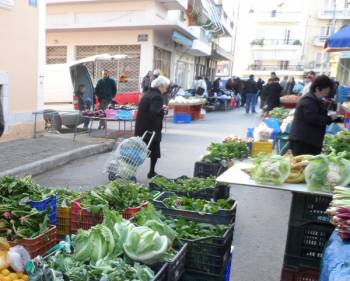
[236,176]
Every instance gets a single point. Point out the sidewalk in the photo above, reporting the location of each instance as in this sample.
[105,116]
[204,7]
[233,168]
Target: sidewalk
[35,156]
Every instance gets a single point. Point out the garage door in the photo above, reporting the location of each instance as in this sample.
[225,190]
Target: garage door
[126,72]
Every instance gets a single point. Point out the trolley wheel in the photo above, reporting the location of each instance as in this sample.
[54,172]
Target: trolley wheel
[112,176]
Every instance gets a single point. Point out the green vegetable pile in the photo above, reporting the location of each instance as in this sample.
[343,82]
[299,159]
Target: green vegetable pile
[226,151]
[198,205]
[339,143]
[184,185]
[18,222]
[280,113]
[184,229]
[270,169]
[65,197]
[116,196]
[325,172]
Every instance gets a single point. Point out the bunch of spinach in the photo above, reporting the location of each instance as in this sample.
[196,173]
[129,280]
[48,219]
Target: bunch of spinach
[226,151]
[117,195]
[198,205]
[280,113]
[184,185]
[339,143]
[66,196]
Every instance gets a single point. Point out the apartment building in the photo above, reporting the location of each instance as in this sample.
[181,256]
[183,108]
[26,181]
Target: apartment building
[21,64]
[175,36]
[270,37]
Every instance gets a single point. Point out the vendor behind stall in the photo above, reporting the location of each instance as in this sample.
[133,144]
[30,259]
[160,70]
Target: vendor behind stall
[311,118]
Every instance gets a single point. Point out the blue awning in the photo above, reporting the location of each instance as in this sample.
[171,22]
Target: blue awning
[181,39]
[340,41]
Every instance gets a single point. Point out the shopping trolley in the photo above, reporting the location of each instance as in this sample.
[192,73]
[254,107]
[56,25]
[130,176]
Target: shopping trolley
[130,154]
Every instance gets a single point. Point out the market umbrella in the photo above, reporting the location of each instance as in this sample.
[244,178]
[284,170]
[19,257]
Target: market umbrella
[339,41]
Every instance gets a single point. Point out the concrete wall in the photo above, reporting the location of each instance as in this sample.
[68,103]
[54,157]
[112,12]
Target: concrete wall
[20,73]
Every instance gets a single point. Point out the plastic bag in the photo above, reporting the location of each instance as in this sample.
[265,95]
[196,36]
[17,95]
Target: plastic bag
[262,132]
[333,129]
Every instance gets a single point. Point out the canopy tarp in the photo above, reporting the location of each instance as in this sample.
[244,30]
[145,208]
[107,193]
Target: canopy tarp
[339,41]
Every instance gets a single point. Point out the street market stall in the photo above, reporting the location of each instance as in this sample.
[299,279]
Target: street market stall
[186,109]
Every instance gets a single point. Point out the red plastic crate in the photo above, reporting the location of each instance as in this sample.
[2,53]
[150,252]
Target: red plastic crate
[81,218]
[38,246]
[182,109]
[291,274]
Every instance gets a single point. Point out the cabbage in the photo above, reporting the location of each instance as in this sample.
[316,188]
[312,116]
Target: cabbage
[270,169]
[145,245]
[325,172]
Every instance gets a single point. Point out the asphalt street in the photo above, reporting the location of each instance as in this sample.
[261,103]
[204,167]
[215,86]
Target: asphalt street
[182,145]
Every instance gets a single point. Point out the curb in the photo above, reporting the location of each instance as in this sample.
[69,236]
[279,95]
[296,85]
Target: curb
[41,166]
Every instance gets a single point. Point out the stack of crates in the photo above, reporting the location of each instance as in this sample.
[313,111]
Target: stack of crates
[309,231]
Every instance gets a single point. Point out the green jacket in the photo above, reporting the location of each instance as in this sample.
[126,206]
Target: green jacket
[106,89]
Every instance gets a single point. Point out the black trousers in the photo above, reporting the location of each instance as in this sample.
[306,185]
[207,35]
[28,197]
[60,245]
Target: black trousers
[300,148]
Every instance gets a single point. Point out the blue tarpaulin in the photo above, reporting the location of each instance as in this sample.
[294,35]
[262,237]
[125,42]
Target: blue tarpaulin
[339,41]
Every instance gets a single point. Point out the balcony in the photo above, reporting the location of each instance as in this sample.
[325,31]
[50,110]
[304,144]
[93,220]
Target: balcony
[226,21]
[174,4]
[319,41]
[263,67]
[327,14]
[202,44]
[272,17]
[266,44]
[220,54]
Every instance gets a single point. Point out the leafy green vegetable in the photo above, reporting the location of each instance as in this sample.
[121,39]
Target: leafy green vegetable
[280,113]
[226,151]
[325,172]
[18,222]
[184,185]
[339,143]
[65,197]
[146,245]
[117,195]
[270,169]
[198,205]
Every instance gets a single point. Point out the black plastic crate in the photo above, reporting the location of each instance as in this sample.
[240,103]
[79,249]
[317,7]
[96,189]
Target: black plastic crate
[160,271]
[219,191]
[195,276]
[221,217]
[207,169]
[309,208]
[299,274]
[176,267]
[209,255]
[306,243]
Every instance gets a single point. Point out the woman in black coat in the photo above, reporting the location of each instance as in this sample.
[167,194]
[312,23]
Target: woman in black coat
[311,118]
[150,118]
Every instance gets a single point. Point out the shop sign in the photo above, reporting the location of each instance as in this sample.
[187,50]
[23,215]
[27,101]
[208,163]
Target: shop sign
[142,37]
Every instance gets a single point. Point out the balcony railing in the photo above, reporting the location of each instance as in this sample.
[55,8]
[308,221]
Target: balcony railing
[264,67]
[339,14]
[280,42]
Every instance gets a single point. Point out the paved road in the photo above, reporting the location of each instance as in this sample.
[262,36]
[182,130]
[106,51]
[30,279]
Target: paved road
[181,147]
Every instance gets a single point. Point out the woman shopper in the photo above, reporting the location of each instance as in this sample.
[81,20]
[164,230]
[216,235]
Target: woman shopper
[311,118]
[150,118]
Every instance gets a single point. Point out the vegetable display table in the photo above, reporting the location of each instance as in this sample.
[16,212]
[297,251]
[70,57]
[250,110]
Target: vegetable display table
[193,109]
[261,243]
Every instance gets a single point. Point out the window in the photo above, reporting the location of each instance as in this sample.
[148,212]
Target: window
[6,4]
[284,64]
[347,4]
[162,60]
[56,55]
[324,32]
[273,13]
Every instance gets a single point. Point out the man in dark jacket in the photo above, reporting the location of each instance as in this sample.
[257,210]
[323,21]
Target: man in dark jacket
[146,82]
[105,91]
[274,92]
[251,92]
[311,118]
[150,118]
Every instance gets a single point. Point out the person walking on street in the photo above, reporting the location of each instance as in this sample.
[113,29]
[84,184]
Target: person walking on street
[310,78]
[290,86]
[105,91]
[150,118]
[264,94]
[146,82]
[251,91]
[284,84]
[274,92]
[311,118]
